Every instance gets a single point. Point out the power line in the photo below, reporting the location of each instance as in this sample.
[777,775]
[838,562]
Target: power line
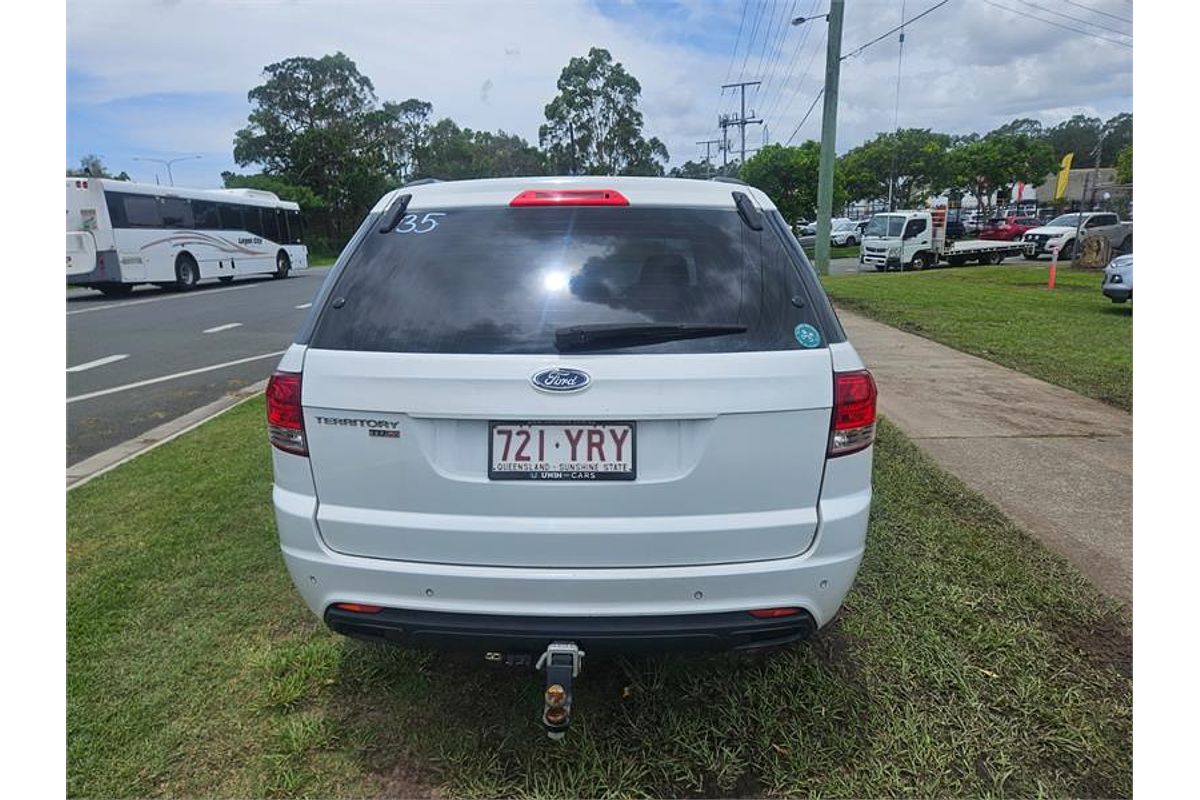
[753,37]
[773,86]
[796,88]
[1059,25]
[1098,11]
[1074,19]
[732,57]
[773,62]
[766,41]
[806,115]
[883,36]
[801,42]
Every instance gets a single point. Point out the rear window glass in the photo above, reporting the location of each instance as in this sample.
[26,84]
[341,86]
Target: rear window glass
[504,280]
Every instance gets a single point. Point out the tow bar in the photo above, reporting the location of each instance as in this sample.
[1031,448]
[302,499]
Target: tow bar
[562,662]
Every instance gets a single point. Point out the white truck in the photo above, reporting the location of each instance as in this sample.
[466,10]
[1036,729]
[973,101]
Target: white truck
[904,240]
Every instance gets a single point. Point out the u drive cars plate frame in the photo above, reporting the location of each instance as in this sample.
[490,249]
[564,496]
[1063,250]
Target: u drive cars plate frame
[554,475]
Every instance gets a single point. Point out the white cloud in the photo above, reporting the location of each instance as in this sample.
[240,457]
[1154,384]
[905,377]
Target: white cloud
[967,66]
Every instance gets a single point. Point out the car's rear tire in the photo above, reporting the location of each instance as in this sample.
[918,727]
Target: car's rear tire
[283,265]
[187,273]
[851,241]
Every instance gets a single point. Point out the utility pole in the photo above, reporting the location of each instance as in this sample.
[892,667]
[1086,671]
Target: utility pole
[741,121]
[708,143]
[833,63]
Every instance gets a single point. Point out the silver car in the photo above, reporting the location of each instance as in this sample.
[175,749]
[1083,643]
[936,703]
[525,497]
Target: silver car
[1118,279]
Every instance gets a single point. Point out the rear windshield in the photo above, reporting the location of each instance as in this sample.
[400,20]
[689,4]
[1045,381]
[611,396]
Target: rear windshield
[504,280]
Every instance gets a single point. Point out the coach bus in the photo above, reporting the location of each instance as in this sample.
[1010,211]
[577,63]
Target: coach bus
[120,234]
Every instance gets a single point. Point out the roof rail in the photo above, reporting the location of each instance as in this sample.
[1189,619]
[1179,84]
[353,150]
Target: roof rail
[725,179]
[420,182]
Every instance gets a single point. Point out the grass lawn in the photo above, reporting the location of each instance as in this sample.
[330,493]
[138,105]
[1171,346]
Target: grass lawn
[321,261]
[968,661]
[1072,336]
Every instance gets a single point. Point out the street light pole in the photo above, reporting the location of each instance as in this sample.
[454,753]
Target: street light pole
[167,162]
[833,62]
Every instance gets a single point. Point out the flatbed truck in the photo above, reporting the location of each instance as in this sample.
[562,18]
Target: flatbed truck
[903,240]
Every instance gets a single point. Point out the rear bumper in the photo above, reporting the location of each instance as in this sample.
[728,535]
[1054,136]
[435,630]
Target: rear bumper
[1118,294]
[532,634]
[107,269]
[669,606]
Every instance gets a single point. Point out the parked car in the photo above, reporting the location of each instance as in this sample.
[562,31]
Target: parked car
[845,233]
[1009,229]
[1118,279]
[559,429]
[1060,232]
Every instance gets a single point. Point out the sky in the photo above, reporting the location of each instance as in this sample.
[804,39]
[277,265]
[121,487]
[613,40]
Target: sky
[168,78]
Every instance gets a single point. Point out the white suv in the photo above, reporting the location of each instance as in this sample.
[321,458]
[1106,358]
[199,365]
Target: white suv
[555,415]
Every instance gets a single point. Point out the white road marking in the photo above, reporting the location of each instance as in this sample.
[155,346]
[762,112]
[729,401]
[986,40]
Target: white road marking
[151,381]
[225,327]
[203,293]
[99,362]
[304,305]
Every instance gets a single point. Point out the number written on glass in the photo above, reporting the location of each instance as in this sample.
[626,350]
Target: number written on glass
[414,223]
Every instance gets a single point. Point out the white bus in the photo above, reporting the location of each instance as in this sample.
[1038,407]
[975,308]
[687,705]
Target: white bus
[120,234]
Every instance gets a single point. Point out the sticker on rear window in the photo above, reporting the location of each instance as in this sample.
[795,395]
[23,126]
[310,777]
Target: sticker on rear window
[807,335]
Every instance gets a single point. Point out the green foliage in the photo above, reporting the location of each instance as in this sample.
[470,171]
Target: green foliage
[453,153]
[315,122]
[593,125]
[789,177]
[1080,134]
[1125,164]
[91,166]
[308,201]
[996,162]
[915,157]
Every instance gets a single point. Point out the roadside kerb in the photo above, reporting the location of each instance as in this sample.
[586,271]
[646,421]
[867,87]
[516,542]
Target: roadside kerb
[94,466]
[1056,463]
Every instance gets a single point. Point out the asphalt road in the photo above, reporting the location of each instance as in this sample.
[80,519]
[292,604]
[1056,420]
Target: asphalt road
[125,356]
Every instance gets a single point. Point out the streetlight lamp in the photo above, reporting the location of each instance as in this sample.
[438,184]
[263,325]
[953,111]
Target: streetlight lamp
[833,62]
[168,162]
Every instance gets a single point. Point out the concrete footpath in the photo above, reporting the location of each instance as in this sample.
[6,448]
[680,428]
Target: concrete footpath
[1058,464]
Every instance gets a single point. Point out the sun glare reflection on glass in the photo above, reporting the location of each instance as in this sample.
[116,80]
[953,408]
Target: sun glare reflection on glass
[555,281]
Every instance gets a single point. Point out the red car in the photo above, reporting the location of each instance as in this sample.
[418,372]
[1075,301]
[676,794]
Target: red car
[1008,229]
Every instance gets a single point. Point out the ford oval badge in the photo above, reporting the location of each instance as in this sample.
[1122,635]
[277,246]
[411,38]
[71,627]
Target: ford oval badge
[561,379]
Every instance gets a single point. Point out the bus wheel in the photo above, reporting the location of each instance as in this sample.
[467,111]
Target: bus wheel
[187,273]
[283,265]
[115,289]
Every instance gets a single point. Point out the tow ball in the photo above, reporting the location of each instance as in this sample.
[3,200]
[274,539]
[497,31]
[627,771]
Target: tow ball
[562,662]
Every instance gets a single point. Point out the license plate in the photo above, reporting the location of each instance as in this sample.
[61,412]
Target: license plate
[562,451]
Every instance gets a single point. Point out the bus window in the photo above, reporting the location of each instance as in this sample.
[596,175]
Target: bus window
[205,212]
[176,213]
[141,211]
[271,224]
[231,217]
[295,227]
[253,219]
[116,209]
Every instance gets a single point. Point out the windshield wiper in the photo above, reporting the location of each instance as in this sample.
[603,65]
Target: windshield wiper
[601,336]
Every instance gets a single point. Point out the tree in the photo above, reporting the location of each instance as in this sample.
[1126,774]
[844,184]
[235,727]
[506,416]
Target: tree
[316,123]
[593,125]
[1125,164]
[453,153]
[993,164]
[91,166]
[914,159]
[789,177]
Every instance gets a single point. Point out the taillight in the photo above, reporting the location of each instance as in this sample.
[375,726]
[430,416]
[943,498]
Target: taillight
[774,613]
[285,418]
[358,608]
[853,426]
[569,197]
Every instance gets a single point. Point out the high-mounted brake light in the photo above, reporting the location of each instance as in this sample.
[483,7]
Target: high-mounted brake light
[853,426]
[285,418]
[569,197]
